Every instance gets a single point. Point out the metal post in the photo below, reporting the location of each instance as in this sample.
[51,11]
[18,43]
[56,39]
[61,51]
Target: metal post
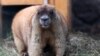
[45,2]
[0,22]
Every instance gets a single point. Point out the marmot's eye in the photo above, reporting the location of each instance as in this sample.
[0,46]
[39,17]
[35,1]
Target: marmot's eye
[40,13]
[52,13]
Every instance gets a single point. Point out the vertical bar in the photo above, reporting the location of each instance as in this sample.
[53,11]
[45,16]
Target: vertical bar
[0,21]
[45,2]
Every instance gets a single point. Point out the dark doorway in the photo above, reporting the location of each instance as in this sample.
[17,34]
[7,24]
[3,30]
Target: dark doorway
[8,13]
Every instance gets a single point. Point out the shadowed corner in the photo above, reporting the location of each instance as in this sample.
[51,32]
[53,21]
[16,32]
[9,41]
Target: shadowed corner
[86,14]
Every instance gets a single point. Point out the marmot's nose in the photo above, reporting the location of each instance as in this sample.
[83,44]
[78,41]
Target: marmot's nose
[45,19]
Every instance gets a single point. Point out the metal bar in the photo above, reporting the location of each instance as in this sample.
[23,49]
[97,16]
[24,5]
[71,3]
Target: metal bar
[0,21]
[45,2]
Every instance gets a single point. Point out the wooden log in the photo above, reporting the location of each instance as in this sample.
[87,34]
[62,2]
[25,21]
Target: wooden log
[21,2]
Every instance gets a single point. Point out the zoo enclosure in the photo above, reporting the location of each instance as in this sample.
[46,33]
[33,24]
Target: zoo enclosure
[10,7]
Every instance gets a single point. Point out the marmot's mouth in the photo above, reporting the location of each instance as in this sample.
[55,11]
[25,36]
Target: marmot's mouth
[45,26]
